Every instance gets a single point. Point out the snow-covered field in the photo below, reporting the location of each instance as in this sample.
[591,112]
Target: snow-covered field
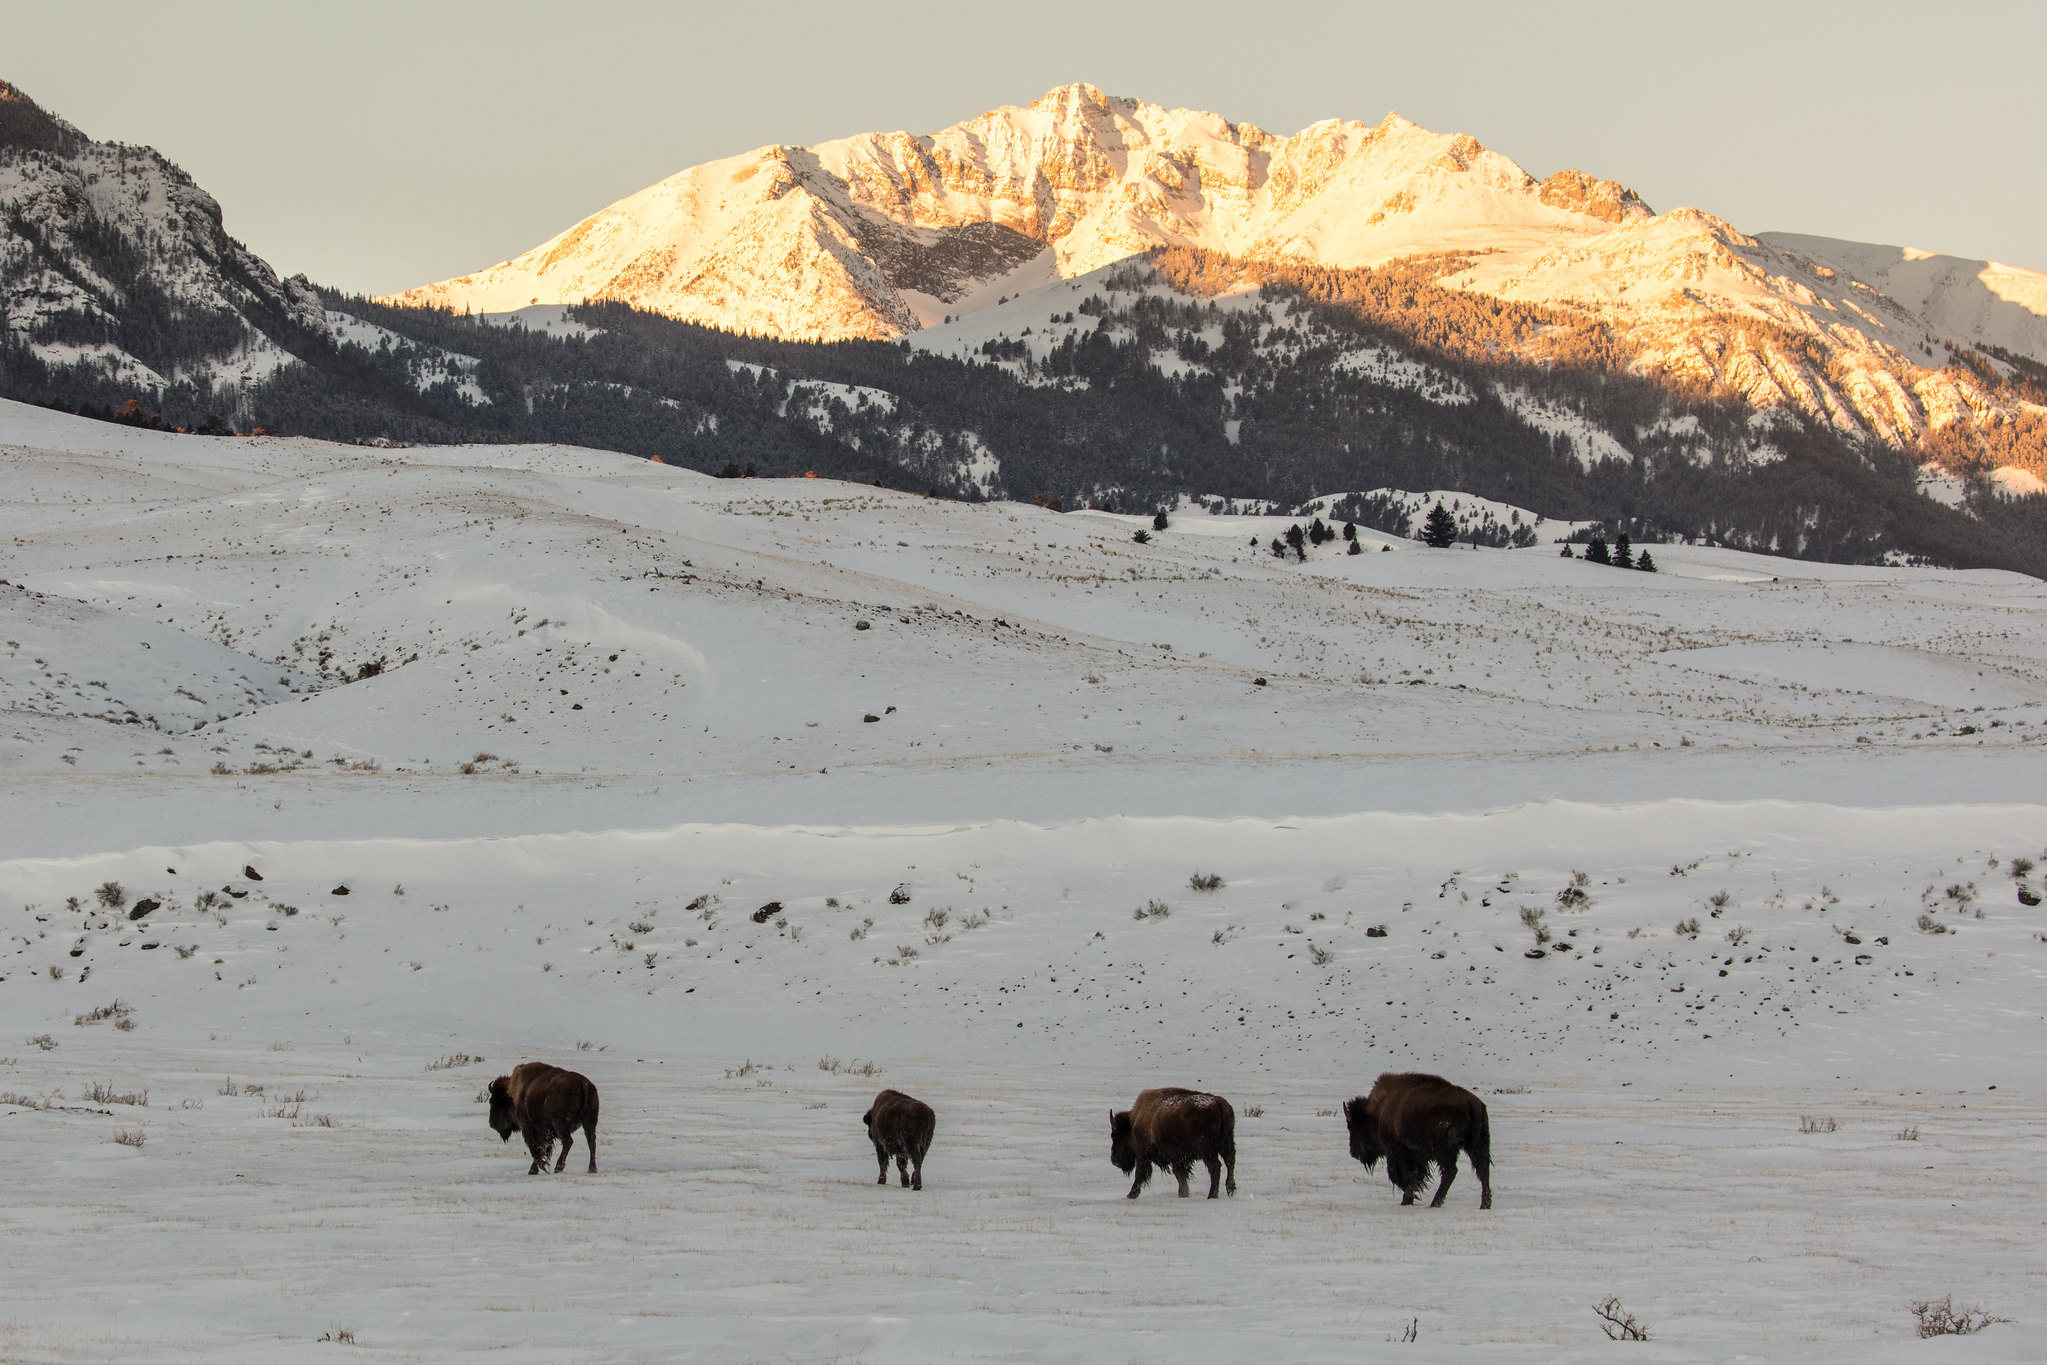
[1774,817]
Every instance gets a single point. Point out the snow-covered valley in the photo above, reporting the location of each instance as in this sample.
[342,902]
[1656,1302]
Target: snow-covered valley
[749,797]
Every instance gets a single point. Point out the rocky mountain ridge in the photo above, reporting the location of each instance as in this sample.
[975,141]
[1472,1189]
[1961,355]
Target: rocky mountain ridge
[112,260]
[846,240]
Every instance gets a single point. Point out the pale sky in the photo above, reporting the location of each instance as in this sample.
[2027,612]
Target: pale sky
[381,144]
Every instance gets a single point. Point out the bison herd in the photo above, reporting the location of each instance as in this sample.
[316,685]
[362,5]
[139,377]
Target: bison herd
[1410,1121]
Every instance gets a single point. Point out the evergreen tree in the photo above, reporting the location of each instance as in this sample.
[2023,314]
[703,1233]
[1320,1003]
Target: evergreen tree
[1356,548]
[1623,556]
[1350,532]
[1646,563]
[1567,551]
[1158,523]
[1142,536]
[1595,553]
[1440,531]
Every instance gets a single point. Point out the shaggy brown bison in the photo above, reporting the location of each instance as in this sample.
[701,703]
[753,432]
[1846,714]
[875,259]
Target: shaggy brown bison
[1411,1120]
[900,1127]
[1172,1129]
[547,1104]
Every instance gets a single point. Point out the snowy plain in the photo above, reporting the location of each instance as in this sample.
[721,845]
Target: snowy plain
[1774,816]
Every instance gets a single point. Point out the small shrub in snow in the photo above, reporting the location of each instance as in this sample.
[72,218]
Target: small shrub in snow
[1909,1133]
[1940,1318]
[1254,1111]
[1205,881]
[1321,957]
[451,1061]
[116,1011]
[110,895]
[1816,1123]
[1618,1323]
[1718,900]
[2021,868]
[1576,896]
[43,1041]
[1533,920]
[1738,935]
[1929,925]
[1152,910]
[344,1335]
[134,1137]
[1687,928]
[100,1093]
[900,896]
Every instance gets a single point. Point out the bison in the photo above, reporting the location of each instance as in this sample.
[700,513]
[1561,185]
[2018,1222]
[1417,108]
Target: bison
[1171,1129]
[1412,1119]
[545,1103]
[900,1127]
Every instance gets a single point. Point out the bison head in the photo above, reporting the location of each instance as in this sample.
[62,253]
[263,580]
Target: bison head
[868,1118]
[1122,1148]
[501,1118]
[1364,1133]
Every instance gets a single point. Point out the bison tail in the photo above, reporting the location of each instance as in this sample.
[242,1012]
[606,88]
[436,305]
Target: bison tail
[1480,1147]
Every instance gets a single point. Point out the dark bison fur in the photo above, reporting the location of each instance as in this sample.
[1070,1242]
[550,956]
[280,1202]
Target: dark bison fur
[900,1128]
[1413,1120]
[1171,1129]
[547,1104]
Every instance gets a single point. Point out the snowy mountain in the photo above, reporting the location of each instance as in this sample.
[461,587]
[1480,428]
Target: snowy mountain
[883,234]
[1106,303]
[115,269]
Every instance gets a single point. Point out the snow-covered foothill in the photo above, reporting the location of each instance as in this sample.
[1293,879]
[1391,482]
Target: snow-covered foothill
[749,797]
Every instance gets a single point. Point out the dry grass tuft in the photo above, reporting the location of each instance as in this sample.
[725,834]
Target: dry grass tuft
[1940,1318]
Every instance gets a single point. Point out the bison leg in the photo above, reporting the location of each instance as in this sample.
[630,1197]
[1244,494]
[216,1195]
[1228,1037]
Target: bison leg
[1143,1176]
[568,1141]
[1180,1173]
[1405,1178]
[590,1141]
[917,1174]
[903,1169]
[541,1147]
[1449,1168]
[881,1155]
[1485,1182]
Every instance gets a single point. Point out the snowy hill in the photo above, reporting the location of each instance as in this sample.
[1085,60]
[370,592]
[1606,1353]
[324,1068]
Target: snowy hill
[747,797]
